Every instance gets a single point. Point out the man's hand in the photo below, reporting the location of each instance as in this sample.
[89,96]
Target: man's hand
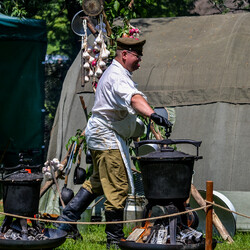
[160,120]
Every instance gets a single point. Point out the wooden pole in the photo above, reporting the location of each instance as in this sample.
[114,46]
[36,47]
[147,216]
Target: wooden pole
[209,218]
[216,221]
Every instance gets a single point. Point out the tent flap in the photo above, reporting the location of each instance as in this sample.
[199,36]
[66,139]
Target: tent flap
[22,48]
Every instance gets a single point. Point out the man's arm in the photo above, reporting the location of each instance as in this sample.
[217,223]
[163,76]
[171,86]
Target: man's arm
[141,106]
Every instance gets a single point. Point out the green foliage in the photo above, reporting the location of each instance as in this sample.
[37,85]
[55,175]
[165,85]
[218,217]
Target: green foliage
[89,171]
[79,139]
[58,27]
[58,17]
[148,8]
[13,8]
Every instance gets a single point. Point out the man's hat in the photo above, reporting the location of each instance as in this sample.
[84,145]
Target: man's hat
[132,44]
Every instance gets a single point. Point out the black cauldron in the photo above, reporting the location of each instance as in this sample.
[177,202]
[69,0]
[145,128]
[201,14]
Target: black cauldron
[167,173]
[21,192]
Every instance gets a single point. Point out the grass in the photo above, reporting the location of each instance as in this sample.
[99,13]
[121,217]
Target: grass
[241,242]
[94,238]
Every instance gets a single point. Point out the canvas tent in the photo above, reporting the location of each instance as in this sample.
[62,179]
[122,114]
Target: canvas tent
[23,44]
[201,67]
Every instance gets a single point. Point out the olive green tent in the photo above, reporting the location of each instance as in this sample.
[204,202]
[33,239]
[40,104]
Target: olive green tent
[23,45]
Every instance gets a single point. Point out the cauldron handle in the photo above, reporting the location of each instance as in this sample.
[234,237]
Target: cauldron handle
[171,142]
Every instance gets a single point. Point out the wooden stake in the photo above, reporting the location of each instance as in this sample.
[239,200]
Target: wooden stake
[216,221]
[57,186]
[108,27]
[209,219]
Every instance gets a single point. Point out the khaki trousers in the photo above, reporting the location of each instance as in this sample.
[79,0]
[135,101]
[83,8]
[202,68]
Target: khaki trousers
[109,178]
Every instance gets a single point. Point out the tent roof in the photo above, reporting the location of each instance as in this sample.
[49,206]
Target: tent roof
[195,60]
[13,28]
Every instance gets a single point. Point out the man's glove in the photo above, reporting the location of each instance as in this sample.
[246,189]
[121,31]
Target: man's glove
[160,120]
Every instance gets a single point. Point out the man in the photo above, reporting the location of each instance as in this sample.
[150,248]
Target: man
[113,121]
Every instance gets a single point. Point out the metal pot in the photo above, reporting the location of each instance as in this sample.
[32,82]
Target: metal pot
[139,128]
[167,173]
[134,209]
[147,148]
[21,192]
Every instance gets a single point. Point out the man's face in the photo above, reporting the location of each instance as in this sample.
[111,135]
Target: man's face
[132,60]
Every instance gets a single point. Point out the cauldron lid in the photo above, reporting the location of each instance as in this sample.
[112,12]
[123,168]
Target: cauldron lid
[24,176]
[165,154]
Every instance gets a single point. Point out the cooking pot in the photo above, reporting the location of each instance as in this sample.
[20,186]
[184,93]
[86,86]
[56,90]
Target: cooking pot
[139,128]
[147,148]
[167,173]
[21,191]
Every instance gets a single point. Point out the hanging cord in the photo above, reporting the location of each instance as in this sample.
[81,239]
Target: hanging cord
[101,21]
[84,23]
[84,43]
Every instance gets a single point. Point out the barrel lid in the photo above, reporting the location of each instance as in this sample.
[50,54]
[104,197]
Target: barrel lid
[166,154]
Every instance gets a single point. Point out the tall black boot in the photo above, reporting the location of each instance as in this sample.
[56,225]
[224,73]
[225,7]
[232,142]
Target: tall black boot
[74,209]
[114,231]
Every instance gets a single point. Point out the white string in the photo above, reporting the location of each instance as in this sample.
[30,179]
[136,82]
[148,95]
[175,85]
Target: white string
[84,23]
[85,37]
[101,21]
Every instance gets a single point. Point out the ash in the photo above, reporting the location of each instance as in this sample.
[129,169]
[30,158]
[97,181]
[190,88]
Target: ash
[32,235]
[20,230]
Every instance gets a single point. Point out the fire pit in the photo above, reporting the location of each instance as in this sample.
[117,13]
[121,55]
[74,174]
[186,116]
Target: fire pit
[21,190]
[166,176]
[52,238]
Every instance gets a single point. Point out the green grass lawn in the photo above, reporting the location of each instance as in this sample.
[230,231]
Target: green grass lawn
[241,241]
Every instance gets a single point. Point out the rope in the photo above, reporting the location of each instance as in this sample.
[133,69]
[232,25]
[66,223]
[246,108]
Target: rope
[105,222]
[231,211]
[127,221]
